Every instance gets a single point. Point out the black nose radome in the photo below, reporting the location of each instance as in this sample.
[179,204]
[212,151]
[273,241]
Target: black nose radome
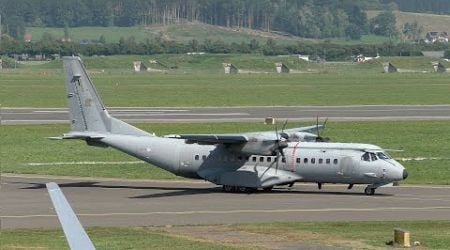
[405,174]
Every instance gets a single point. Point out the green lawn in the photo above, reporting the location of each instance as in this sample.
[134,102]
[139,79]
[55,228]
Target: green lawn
[103,238]
[186,32]
[355,235]
[23,145]
[431,234]
[200,81]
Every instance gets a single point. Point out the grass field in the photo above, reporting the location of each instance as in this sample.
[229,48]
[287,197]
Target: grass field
[185,32]
[103,238]
[200,81]
[355,235]
[27,145]
[429,22]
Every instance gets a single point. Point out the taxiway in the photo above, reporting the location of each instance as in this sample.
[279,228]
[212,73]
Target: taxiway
[108,202]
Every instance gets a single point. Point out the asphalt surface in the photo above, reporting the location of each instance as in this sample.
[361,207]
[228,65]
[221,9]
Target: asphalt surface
[26,204]
[219,114]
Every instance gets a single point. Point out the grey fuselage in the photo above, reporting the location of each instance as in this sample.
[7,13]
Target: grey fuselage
[320,162]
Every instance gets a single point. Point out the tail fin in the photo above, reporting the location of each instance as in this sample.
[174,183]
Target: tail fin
[86,110]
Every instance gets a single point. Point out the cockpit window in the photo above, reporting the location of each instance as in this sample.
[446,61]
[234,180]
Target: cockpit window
[365,157]
[383,156]
[369,156]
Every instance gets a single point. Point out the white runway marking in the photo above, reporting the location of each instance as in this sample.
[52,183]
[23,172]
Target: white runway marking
[422,159]
[239,211]
[84,163]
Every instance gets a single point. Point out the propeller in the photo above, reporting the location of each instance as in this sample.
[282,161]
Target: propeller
[283,134]
[280,144]
[320,138]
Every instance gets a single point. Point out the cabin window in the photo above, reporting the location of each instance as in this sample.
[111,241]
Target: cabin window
[335,161]
[283,159]
[261,159]
[254,158]
[247,158]
[305,160]
[240,158]
[328,161]
[203,157]
[298,160]
[313,160]
[197,157]
[320,161]
[269,159]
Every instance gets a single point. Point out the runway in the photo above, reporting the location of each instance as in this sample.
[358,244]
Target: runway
[221,114]
[106,202]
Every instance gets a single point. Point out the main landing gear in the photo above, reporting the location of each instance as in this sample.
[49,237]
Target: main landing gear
[369,190]
[237,189]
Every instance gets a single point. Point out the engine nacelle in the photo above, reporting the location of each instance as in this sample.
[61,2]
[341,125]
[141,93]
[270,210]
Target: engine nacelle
[302,137]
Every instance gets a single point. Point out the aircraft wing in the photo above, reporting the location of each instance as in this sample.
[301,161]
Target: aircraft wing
[74,231]
[240,138]
[212,138]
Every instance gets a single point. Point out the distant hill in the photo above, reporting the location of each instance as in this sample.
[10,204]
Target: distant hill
[430,22]
[186,32]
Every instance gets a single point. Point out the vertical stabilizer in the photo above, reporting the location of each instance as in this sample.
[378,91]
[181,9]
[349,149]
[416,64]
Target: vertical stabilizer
[86,110]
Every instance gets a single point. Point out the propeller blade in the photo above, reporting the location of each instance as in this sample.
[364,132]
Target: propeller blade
[317,126]
[325,123]
[284,125]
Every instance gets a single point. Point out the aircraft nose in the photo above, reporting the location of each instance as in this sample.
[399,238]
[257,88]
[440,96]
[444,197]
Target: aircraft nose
[405,174]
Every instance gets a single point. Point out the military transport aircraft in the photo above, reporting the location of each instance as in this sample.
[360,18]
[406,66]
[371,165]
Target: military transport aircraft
[239,162]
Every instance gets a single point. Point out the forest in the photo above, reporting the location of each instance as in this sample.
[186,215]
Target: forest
[305,18]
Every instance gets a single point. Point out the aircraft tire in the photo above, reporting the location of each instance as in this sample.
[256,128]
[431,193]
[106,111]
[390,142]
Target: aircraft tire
[228,188]
[242,189]
[369,191]
[268,188]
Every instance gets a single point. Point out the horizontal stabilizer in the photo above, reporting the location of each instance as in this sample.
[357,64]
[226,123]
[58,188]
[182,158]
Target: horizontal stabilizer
[79,135]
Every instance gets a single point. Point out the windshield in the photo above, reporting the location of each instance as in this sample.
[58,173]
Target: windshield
[383,156]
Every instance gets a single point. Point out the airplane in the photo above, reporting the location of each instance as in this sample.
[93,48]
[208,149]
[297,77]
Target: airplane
[242,162]
[74,232]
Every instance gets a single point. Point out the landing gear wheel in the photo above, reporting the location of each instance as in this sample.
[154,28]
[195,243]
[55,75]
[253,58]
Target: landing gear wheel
[268,188]
[228,188]
[242,189]
[369,191]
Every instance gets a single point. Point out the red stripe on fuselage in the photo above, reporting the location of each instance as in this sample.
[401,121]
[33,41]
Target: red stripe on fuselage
[293,157]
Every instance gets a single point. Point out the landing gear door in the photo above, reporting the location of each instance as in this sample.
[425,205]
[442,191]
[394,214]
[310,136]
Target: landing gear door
[346,166]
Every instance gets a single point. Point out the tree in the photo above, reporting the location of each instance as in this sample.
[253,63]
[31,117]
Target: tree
[354,32]
[447,54]
[384,24]
[102,39]
[412,30]
[15,27]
